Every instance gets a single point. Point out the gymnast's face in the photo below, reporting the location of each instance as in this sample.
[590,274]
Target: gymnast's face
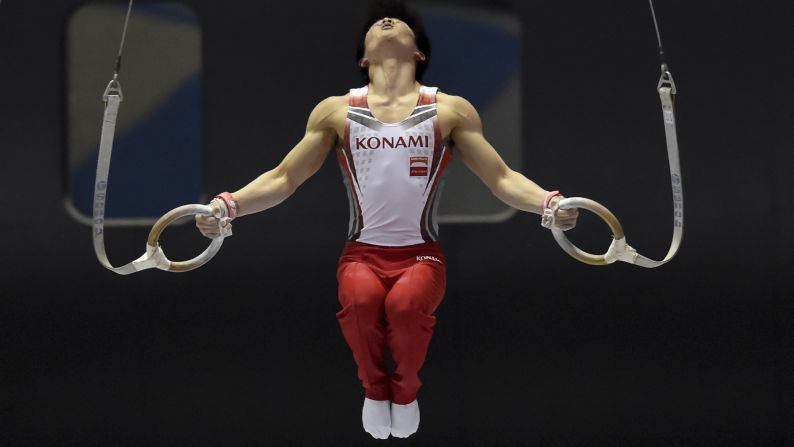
[389,30]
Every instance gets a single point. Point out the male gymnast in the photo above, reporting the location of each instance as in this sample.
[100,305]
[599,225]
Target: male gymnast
[393,138]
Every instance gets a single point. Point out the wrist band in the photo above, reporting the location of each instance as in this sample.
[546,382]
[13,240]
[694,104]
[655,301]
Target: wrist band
[231,203]
[548,198]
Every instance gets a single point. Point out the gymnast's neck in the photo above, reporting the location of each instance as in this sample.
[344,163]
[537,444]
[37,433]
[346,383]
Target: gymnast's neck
[392,77]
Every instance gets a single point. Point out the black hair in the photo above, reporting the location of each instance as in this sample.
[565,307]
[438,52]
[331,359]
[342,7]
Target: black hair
[396,9]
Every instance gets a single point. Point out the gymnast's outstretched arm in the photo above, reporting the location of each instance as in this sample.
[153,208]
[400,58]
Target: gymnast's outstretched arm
[511,187]
[303,161]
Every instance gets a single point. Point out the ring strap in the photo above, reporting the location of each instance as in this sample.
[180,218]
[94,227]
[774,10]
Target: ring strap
[112,97]
[154,256]
[667,92]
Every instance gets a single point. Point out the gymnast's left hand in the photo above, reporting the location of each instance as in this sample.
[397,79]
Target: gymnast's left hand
[563,219]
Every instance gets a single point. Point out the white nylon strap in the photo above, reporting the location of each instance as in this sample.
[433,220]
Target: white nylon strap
[112,98]
[619,250]
[667,91]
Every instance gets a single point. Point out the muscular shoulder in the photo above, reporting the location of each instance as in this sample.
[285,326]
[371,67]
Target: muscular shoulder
[456,111]
[329,112]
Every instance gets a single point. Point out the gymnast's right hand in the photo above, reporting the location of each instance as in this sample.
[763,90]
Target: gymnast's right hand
[210,226]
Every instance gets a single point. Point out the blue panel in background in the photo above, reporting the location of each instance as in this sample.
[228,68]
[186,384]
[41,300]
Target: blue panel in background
[173,12]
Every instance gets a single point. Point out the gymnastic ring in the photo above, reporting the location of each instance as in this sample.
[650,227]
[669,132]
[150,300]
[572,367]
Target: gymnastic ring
[153,242]
[602,212]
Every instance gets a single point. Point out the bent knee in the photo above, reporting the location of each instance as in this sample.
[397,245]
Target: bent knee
[404,307]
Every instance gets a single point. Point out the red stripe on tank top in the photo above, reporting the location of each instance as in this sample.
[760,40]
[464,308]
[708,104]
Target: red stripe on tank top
[344,155]
[426,97]
[426,211]
[348,152]
[359,100]
[436,150]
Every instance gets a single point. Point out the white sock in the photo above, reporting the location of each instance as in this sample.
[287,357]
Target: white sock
[404,419]
[376,418]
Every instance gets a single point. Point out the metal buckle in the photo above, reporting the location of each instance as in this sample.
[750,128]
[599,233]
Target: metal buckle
[113,89]
[666,80]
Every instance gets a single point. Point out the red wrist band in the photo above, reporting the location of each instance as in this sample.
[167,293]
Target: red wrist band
[231,203]
[548,198]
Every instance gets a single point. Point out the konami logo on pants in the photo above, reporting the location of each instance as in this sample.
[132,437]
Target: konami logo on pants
[419,166]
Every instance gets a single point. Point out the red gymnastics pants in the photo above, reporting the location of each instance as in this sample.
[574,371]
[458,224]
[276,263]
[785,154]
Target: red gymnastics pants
[388,296]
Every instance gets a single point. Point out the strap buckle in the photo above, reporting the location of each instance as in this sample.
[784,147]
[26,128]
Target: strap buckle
[113,89]
[666,80]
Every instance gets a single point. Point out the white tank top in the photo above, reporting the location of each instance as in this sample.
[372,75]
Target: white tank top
[392,172]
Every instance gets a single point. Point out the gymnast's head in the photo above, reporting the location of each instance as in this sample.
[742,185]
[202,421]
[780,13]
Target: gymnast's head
[392,29]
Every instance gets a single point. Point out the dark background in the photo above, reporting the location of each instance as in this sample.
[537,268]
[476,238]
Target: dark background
[531,348]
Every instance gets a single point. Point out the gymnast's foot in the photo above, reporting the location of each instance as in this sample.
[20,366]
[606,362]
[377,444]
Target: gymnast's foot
[404,419]
[376,418]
